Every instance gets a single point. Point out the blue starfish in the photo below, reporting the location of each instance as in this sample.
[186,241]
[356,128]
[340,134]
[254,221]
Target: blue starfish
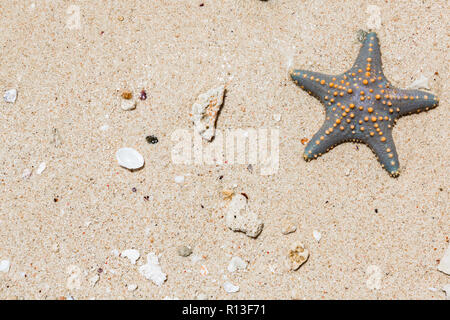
[361,105]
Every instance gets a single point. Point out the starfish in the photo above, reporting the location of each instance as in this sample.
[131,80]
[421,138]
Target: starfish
[361,106]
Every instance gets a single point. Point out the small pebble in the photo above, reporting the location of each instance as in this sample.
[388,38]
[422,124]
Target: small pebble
[143,95]
[184,251]
[288,228]
[151,139]
[127,95]
[10,96]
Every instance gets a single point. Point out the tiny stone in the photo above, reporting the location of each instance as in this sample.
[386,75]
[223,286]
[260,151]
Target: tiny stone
[361,35]
[127,95]
[151,139]
[184,251]
[288,228]
[10,96]
[143,95]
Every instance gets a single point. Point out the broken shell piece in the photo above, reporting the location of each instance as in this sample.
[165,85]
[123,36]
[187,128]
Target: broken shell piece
[4,266]
[94,279]
[317,235]
[444,264]
[10,96]
[132,255]
[421,83]
[227,194]
[240,218]
[298,255]
[287,228]
[26,173]
[237,263]
[132,287]
[41,168]
[127,105]
[446,289]
[129,158]
[230,288]
[152,270]
[205,111]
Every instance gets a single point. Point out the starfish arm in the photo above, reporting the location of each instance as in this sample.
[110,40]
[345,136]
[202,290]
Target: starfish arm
[322,142]
[369,57]
[315,83]
[405,102]
[385,151]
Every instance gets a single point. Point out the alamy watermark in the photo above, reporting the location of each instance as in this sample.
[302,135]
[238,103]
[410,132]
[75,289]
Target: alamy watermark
[256,147]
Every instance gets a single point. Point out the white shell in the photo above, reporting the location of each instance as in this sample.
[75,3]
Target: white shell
[230,288]
[128,105]
[129,158]
[10,96]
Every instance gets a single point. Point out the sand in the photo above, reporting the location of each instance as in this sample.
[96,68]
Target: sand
[382,238]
